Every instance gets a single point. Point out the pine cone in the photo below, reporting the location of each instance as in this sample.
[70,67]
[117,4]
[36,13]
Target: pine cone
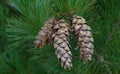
[45,34]
[61,44]
[84,36]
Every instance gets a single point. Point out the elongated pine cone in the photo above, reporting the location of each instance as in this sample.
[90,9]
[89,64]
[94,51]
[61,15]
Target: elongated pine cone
[45,34]
[61,44]
[84,36]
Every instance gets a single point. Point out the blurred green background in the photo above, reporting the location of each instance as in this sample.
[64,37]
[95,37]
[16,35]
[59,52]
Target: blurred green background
[20,21]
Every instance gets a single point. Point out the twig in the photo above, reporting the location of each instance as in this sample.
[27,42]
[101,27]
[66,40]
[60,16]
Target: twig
[100,56]
[115,28]
[101,60]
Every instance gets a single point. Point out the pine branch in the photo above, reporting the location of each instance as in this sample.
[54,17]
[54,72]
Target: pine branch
[114,31]
[105,63]
[100,57]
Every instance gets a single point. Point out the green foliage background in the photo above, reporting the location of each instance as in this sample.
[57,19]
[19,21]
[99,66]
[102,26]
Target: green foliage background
[20,21]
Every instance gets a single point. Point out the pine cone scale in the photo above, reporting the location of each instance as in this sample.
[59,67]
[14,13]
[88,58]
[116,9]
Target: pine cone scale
[45,34]
[61,44]
[84,36]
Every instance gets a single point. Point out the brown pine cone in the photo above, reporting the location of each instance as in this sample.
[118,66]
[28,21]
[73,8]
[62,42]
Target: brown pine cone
[45,34]
[84,36]
[61,44]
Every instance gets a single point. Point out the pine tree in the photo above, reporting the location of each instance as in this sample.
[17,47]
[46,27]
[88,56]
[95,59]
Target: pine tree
[26,17]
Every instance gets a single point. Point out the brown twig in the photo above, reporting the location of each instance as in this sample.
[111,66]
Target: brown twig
[115,29]
[105,64]
[100,56]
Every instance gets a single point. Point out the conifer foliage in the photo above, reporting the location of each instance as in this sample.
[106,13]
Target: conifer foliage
[28,43]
